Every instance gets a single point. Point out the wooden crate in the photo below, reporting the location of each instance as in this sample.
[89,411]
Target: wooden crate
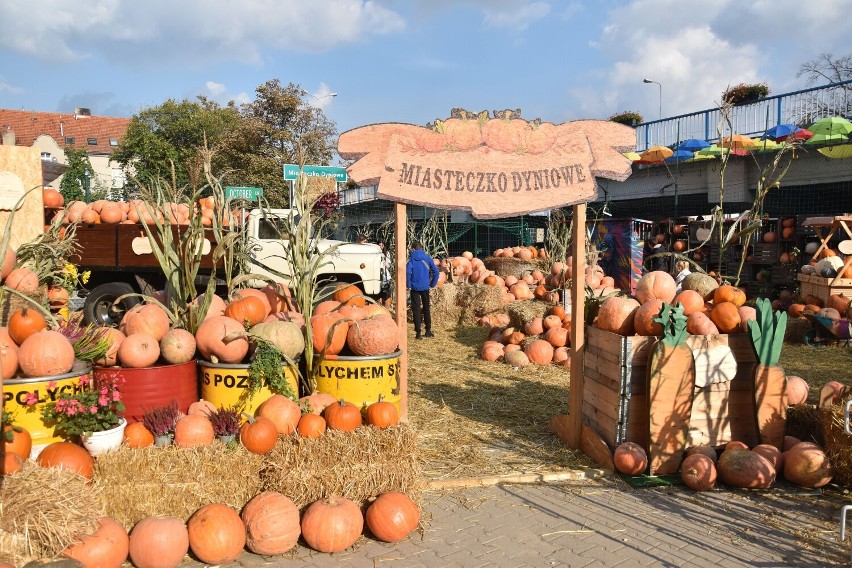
[765,254]
[615,403]
[822,288]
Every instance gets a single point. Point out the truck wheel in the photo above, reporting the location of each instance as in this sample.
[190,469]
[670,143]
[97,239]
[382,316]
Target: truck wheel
[99,308]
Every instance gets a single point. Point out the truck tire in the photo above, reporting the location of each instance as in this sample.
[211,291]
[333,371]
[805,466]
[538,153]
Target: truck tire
[99,308]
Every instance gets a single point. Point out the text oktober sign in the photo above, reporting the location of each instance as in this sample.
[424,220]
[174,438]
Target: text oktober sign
[494,167]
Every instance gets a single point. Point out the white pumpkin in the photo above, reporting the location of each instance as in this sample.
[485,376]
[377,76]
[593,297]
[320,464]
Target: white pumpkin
[833,262]
[811,247]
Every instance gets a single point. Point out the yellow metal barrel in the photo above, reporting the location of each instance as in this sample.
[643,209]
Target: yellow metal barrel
[360,380]
[224,384]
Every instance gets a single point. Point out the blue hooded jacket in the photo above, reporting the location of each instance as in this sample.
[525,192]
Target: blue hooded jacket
[421,272]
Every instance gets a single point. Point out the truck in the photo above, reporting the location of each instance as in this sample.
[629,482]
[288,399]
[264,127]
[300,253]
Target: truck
[121,262]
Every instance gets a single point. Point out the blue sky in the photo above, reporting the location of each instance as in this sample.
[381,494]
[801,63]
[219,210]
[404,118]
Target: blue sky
[410,60]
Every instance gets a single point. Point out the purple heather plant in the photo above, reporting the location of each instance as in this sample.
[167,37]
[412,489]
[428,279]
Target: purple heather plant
[161,420]
[225,420]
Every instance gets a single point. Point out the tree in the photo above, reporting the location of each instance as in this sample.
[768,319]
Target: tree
[827,67]
[173,134]
[79,175]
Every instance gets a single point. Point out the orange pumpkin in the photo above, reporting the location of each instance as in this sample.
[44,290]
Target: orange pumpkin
[373,336]
[216,337]
[8,356]
[700,324]
[177,346]
[805,464]
[316,403]
[558,336]
[728,293]
[656,285]
[150,319]
[248,310]
[67,456]
[643,321]
[201,408]
[258,435]
[158,542]
[630,458]
[329,333]
[747,313]
[11,463]
[392,516]
[57,296]
[259,294]
[746,469]
[107,547]
[23,280]
[136,435]
[16,440]
[283,412]
[52,198]
[349,294]
[691,301]
[796,310]
[216,534]
[797,390]
[698,472]
[272,523]
[192,431]
[25,322]
[9,259]
[46,353]
[332,524]
[534,327]
[311,426]
[138,351]
[539,351]
[726,316]
[616,314]
[382,414]
[342,416]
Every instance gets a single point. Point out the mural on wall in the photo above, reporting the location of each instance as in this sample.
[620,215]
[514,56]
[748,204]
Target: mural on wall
[620,244]
[493,166]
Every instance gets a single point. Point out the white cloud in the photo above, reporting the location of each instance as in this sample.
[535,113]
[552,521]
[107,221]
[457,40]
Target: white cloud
[191,30]
[321,98]
[219,93]
[518,18]
[7,88]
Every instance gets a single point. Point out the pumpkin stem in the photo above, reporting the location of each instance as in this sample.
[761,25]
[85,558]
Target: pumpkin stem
[249,418]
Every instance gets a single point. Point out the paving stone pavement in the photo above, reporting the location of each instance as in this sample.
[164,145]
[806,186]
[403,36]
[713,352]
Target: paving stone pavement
[603,523]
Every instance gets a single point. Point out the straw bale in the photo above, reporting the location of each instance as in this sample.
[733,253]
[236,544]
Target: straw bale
[510,266]
[11,303]
[44,510]
[526,310]
[805,422]
[455,305]
[139,483]
[357,465]
[796,328]
[838,444]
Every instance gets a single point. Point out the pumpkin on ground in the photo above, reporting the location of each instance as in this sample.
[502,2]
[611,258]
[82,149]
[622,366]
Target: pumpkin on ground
[177,346]
[392,516]
[539,351]
[67,456]
[316,403]
[283,412]
[136,435]
[107,547]
[382,414]
[516,358]
[16,440]
[630,458]
[698,472]
[797,390]
[158,542]
[332,524]
[272,523]
[805,464]
[656,284]
[373,336]
[616,314]
[746,469]
[772,454]
[258,435]
[193,430]
[10,463]
[216,534]
[46,353]
[342,416]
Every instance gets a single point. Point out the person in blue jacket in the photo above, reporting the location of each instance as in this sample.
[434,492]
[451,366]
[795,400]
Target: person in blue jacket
[421,275]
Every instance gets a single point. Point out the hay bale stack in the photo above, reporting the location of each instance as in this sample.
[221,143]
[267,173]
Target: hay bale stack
[805,422]
[454,305]
[44,510]
[796,328]
[838,444]
[357,465]
[138,483]
[525,310]
[510,266]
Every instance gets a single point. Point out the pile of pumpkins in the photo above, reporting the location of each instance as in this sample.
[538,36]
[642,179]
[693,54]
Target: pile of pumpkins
[134,211]
[801,463]
[28,348]
[540,341]
[829,265]
[270,524]
[709,307]
[835,308]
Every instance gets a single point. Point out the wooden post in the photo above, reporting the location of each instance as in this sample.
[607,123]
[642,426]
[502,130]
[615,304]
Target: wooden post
[401,305]
[578,339]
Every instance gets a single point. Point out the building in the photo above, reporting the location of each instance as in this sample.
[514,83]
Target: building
[52,133]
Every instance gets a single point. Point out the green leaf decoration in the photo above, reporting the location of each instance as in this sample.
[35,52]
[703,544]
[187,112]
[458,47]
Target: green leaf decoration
[767,332]
[674,324]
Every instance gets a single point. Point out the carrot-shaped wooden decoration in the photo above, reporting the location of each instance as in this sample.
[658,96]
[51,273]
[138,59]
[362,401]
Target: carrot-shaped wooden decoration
[671,382]
[770,381]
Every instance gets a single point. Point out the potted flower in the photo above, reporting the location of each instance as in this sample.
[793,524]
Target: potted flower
[226,423]
[745,93]
[627,117]
[90,412]
[161,422]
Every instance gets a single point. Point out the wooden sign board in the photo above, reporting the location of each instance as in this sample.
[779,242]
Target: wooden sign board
[498,166]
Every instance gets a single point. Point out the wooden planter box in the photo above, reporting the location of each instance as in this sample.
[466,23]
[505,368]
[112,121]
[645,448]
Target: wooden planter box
[615,403]
[822,288]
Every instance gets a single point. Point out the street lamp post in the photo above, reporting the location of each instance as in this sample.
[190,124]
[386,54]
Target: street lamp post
[86,173]
[661,94]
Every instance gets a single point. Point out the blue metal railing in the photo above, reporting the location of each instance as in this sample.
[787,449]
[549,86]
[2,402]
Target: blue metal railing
[798,107]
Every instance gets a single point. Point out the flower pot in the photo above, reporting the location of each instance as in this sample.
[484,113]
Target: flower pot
[224,384]
[44,389]
[227,439]
[149,387]
[360,380]
[164,440]
[98,443]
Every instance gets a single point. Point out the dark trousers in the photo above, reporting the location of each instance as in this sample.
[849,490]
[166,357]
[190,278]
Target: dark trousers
[418,298]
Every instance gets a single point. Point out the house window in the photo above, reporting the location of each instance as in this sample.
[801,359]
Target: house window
[45,156]
[69,140]
[113,141]
[92,141]
[117,177]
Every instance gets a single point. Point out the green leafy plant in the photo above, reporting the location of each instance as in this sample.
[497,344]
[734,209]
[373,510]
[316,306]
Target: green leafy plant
[265,369]
[93,407]
[627,117]
[745,92]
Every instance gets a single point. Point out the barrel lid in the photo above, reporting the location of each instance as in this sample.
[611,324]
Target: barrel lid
[80,368]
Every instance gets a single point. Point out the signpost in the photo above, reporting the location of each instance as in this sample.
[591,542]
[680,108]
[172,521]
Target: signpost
[249,193]
[291,172]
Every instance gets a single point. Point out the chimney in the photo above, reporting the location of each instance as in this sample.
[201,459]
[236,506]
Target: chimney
[81,112]
[8,136]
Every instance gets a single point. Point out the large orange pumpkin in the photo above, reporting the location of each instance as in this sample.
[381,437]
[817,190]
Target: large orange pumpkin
[381,414]
[700,324]
[630,458]
[744,468]
[329,332]
[807,465]
[248,310]
[23,280]
[158,542]
[216,534]
[726,316]
[342,416]
[259,294]
[316,403]
[46,353]
[643,321]
[539,351]
[283,412]
[691,301]
[177,346]
[557,336]
[332,524]
[616,315]
[698,472]
[218,337]
[656,285]
[138,350]
[311,426]
[136,435]
[193,430]
[67,456]
[392,516]
[373,336]
[349,294]
[729,293]
[272,523]
[107,547]
[115,338]
[258,435]
[52,198]
[16,440]
[146,318]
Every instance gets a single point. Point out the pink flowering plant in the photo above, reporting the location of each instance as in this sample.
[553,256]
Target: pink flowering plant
[93,407]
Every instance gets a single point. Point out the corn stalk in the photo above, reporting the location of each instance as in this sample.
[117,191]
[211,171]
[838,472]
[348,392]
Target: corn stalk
[433,235]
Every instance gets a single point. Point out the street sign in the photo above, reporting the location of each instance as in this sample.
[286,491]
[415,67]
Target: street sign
[250,193]
[291,172]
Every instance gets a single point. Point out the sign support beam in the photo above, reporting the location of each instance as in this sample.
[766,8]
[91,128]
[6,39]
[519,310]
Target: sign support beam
[401,222]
